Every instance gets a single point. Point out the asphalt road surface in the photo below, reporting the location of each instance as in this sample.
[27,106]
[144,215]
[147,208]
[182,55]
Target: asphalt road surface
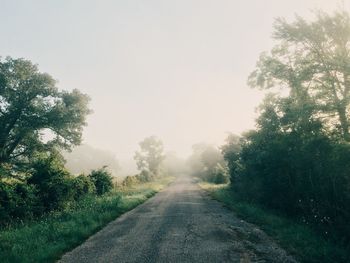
[180,224]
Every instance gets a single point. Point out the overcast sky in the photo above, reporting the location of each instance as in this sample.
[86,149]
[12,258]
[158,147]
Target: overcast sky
[176,69]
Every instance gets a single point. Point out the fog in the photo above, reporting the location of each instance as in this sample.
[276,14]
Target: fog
[174,69]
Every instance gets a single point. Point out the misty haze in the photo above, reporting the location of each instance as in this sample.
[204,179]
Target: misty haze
[175,131]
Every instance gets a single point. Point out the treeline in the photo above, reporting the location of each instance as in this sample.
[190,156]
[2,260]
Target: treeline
[297,160]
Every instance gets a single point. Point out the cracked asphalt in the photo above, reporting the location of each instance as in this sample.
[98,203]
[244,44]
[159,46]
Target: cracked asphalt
[180,224]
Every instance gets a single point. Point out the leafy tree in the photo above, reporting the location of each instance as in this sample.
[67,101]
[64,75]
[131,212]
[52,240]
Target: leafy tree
[231,153]
[312,60]
[150,157]
[32,109]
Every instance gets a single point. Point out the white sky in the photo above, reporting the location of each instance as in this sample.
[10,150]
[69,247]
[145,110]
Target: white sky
[176,69]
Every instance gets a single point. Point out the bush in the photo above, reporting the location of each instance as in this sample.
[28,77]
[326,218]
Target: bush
[54,183]
[17,200]
[102,180]
[220,175]
[129,181]
[82,186]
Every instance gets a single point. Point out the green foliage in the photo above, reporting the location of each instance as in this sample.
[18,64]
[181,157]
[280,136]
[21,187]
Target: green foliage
[17,200]
[31,106]
[220,175]
[54,183]
[311,60]
[102,180]
[83,186]
[230,152]
[294,167]
[49,188]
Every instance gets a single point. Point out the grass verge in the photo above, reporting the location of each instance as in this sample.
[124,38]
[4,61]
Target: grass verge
[46,239]
[298,239]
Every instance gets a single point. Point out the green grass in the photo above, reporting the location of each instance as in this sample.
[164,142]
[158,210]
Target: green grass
[46,239]
[298,239]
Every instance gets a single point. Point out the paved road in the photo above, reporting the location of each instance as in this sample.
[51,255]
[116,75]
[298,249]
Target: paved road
[180,224]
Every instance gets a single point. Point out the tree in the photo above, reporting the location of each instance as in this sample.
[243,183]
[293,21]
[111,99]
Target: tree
[32,110]
[312,60]
[230,151]
[150,157]
[207,163]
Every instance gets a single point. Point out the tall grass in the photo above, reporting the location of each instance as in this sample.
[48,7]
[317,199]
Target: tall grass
[46,239]
[300,240]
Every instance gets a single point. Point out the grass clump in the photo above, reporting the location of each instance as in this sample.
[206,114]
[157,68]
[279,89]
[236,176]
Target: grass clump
[300,240]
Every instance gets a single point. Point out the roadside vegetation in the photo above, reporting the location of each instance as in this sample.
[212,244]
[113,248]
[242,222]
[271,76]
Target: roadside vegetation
[291,175]
[47,238]
[45,210]
[299,239]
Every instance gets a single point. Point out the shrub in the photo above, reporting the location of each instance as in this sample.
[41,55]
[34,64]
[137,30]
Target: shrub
[129,181]
[53,182]
[102,180]
[82,186]
[220,175]
[17,200]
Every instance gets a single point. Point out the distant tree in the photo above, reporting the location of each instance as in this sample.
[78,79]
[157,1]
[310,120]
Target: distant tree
[312,60]
[210,157]
[150,157]
[34,114]
[207,163]
[194,162]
